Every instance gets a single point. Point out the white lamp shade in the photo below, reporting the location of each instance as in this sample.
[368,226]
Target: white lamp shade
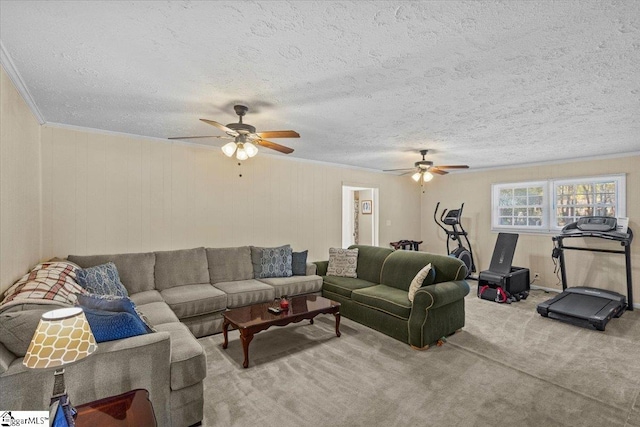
[241,154]
[427,176]
[416,176]
[251,149]
[229,148]
[63,336]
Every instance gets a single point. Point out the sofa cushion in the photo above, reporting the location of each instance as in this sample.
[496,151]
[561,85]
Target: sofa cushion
[402,266]
[102,279]
[384,298]
[295,285]
[194,300]
[146,297]
[342,262]
[370,261]
[188,360]
[246,292]
[135,270]
[229,264]
[344,285]
[181,267]
[158,313]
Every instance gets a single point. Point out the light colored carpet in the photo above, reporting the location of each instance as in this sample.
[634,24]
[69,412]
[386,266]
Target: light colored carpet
[509,366]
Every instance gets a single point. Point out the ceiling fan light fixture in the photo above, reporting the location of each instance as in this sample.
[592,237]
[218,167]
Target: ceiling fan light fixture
[416,176]
[241,154]
[229,148]
[427,176]
[250,149]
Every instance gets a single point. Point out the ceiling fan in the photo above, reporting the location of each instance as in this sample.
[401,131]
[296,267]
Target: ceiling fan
[424,169]
[245,137]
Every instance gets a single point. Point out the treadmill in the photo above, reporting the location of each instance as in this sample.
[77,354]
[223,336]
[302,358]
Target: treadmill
[586,306]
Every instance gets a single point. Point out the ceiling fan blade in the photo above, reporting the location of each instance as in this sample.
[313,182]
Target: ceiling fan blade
[395,170]
[406,173]
[279,134]
[207,136]
[274,146]
[438,171]
[220,126]
[453,167]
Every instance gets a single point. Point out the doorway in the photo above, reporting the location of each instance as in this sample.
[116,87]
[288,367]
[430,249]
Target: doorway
[360,213]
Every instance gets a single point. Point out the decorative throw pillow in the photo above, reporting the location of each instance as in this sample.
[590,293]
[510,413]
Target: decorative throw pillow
[343,262]
[275,262]
[299,263]
[102,280]
[417,281]
[51,282]
[113,325]
[114,304]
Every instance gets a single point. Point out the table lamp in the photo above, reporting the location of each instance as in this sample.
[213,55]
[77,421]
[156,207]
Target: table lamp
[62,337]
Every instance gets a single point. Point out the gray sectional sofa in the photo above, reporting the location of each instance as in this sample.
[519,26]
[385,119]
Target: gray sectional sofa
[183,294]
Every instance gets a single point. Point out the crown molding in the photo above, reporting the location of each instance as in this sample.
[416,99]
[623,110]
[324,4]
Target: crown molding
[16,79]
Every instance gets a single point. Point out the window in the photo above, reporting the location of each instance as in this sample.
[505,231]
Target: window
[520,205]
[547,206]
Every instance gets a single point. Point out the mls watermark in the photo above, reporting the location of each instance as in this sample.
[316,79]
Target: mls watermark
[24,418]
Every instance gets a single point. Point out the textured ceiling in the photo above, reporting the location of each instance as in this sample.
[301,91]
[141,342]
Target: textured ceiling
[484,83]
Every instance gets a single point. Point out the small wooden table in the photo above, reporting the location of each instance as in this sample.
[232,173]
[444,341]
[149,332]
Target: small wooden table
[252,319]
[130,409]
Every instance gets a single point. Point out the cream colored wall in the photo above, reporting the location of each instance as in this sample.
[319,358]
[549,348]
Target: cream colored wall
[534,250]
[113,194]
[19,185]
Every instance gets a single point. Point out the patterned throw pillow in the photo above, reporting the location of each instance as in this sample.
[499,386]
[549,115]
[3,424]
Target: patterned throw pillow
[114,304]
[299,263]
[113,325]
[275,262]
[417,281]
[343,262]
[102,280]
[52,282]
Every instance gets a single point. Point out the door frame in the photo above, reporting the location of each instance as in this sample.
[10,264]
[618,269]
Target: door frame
[348,188]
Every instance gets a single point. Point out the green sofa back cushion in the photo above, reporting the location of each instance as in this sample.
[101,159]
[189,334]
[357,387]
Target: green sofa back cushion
[402,266]
[370,261]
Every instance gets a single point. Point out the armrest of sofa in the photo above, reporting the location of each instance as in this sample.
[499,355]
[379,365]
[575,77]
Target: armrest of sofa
[116,367]
[424,328]
[439,294]
[311,269]
[6,357]
[321,267]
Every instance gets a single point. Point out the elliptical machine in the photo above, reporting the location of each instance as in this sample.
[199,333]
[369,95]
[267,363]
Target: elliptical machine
[452,219]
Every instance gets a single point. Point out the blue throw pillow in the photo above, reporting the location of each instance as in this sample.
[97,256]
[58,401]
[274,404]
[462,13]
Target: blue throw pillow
[276,262]
[113,304]
[102,280]
[299,263]
[113,325]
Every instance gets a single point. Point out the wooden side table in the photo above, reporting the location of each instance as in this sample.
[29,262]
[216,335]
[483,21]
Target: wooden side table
[130,409]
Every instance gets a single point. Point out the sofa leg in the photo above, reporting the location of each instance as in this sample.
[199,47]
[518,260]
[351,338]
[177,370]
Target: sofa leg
[426,347]
[199,423]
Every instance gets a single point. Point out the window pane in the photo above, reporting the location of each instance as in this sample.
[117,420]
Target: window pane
[535,222]
[535,212]
[535,200]
[520,201]
[506,212]
[506,197]
[505,221]
[520,192]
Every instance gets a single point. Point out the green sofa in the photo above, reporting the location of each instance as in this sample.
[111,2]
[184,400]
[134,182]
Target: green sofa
[378,297]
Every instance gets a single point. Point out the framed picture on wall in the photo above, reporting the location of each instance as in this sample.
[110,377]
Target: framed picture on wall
[367,207]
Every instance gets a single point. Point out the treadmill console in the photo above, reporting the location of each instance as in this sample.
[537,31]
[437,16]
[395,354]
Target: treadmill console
[596,223]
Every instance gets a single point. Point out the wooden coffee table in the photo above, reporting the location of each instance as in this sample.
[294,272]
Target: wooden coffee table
[252,319]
